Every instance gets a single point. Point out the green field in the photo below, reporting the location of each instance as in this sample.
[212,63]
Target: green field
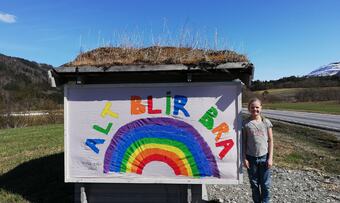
[32,166]
[287,92]
[329,107]
[316,99]
[32,159]
[299,147]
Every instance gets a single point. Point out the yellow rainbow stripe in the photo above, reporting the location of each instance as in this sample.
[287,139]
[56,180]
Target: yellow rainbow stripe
[140,149]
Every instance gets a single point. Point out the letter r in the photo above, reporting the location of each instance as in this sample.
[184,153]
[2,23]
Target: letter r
[179,103]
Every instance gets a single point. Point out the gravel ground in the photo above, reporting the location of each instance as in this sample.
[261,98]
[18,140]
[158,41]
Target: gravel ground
[288,186]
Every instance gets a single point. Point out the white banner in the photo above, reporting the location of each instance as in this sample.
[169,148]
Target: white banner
[153,133]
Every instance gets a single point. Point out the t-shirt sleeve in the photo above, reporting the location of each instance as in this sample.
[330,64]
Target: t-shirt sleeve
[268,123]
[244,122]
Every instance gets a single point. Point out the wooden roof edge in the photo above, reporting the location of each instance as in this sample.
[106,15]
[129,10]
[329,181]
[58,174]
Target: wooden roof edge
[61,75]
[142,68]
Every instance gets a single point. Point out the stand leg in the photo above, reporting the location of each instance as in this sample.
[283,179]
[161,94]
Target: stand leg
[204,192]
[83,195]
[189,194]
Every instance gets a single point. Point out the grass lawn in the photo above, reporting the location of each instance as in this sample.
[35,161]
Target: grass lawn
[281,92]
[32,166]
[299,147]
[32,160]
[329,107]
[289,94]
[293,91]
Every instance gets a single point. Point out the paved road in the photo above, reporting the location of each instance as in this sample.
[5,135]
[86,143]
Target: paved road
[322,121]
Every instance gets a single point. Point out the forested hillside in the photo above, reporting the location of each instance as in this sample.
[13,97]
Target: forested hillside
[24,85]
[296,82]
[295,89]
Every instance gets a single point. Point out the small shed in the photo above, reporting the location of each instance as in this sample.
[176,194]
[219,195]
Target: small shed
[155,123]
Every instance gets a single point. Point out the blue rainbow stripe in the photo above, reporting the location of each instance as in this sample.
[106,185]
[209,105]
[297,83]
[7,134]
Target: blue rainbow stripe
[164,128]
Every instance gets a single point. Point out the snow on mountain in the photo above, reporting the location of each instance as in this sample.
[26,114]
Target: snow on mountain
[327,70]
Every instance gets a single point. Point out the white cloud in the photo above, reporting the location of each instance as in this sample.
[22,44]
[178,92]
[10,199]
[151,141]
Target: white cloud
[7,18]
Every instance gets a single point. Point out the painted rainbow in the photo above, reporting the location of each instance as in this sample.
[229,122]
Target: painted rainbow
[167,140]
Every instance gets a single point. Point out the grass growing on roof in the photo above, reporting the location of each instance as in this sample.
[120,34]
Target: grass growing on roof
[109,56]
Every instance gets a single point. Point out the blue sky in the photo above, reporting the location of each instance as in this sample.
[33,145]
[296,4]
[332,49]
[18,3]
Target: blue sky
[281,38]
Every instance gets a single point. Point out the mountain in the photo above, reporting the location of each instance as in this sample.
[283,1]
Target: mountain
[24,85]
[327,70]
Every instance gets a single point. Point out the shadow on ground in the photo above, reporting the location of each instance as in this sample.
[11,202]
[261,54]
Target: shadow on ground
[39,180]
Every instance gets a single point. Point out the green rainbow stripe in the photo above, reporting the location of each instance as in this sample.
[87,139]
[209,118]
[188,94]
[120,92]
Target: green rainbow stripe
[168,140]
[137,146]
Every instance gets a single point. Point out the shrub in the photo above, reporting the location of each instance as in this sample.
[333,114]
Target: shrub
[18,121]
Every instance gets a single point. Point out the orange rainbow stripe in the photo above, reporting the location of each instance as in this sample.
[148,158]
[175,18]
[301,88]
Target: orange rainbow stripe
[156,154]
[166,140]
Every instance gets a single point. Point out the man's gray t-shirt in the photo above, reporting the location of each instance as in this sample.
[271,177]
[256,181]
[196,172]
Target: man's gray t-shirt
[257,136]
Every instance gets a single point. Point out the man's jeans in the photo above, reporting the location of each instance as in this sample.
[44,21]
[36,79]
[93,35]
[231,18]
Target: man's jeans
[259,177]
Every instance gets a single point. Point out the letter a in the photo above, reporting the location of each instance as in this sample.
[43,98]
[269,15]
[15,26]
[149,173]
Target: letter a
[227,144]
[92,144]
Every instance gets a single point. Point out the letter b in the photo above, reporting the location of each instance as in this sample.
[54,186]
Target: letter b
[136,105]
[208,118]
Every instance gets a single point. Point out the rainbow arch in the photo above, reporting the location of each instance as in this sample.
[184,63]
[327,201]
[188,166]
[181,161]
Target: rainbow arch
[168,140]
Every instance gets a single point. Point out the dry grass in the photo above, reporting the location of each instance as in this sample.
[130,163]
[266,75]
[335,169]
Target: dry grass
[32,160]
[11,121]
[290,93]
[303,148]
[108,56]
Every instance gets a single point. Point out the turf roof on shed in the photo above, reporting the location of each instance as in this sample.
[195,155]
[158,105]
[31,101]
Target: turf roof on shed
[155,55]
[116,65]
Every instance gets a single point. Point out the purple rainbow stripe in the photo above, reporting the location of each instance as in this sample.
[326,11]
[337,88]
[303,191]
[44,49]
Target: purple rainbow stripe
[161,127]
